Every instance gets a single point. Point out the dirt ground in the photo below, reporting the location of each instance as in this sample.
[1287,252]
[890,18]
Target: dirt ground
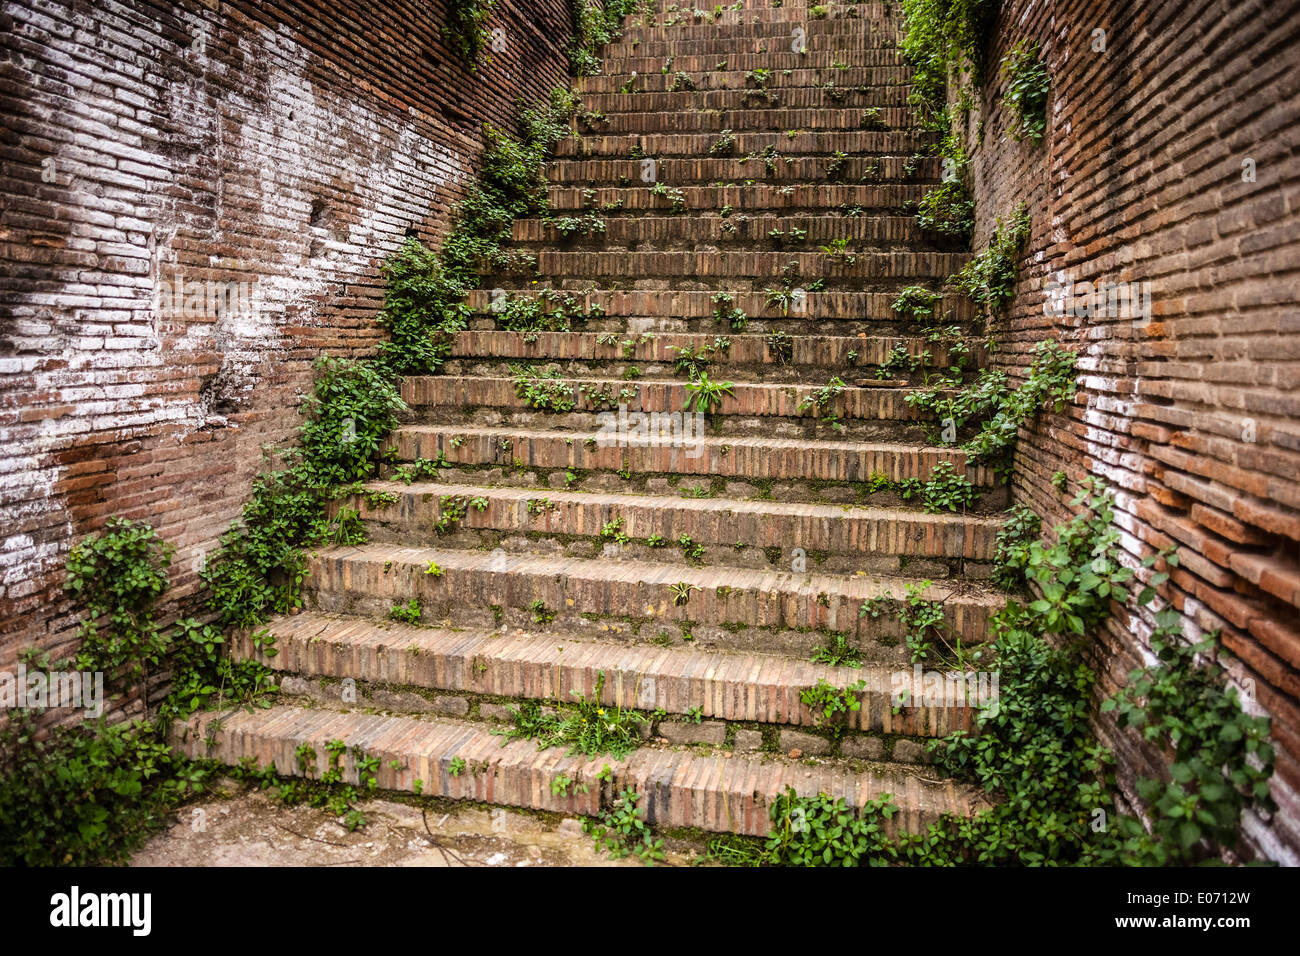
[246,827]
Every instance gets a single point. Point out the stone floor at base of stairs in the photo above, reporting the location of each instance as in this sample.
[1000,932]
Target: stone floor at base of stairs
[240,826]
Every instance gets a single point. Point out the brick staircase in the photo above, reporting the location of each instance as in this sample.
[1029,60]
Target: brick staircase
[724,670]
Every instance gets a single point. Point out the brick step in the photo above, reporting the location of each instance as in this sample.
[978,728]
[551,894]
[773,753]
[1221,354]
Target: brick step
[679,787]
[743,456]
[750,357]
[823,197]
[873,16]
[780,118]
[387,660]
[892,269]
[839,537]
[777,612]
[778,59]
[844,39]
[694,146]
[742,98]
[877,413]
[711,78]
[673,305]
[773,324]
[740,171]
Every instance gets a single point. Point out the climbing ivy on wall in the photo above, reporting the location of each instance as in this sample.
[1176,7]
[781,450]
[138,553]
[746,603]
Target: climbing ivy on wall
[594,25]
[466,28]
[1026,94]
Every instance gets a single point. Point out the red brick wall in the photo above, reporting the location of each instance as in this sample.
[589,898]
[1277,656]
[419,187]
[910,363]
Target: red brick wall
[291,150]
[1192,417]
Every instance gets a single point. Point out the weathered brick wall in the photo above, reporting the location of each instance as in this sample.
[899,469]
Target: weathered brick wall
[1192,417]
[287,145]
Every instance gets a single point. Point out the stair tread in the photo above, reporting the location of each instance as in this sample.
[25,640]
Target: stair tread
[731,505]
[620,661]
[852,587]
[732,441]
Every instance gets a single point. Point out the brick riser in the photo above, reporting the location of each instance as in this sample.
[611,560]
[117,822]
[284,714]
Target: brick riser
[742,457]
[677,304]
[813,360]
[866,414]
[695,146]
[868,234]
[679,788]
[893,79]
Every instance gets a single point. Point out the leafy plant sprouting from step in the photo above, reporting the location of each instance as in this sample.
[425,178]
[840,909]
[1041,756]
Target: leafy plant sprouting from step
[823,400]
[780,346]
[408,613]
[545,390]
[831,705]
[682,82]
[585,725]
[724,310]
[692,361]
[538,506]
[466,28]
[789,293]
[420,469]
[917,302]
[562,785]
[1025,97]
[621,831]
[900,362]
[769,157]
[541,614]
[838,250]
[613,531]
[872,120]
[692,551]
[837,651]
[1014,540]
[588,224]
[725,145]
[946,488]
[704,394]
[1049,381]
[547,311]
[681,592]
[676,198]
[781,238]
[836,166]
[453,508]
